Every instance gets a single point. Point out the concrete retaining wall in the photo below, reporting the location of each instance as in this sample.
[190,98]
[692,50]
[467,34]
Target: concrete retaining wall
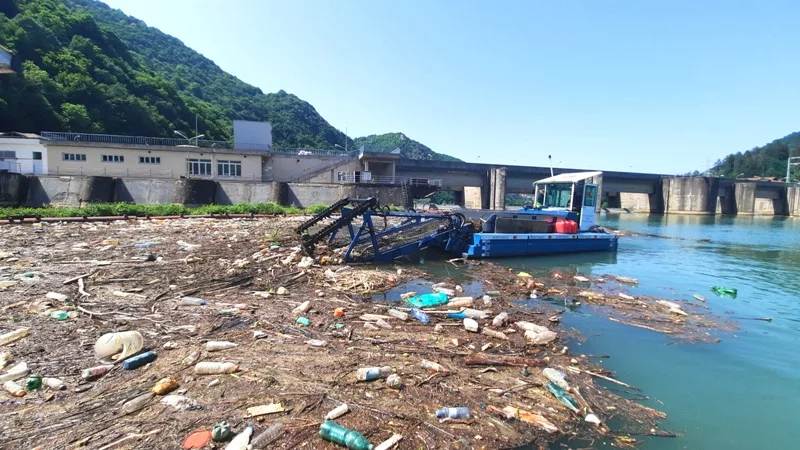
[304,195]
[143,191]
[632,202]
[793,200]
[695,195]
[13,188]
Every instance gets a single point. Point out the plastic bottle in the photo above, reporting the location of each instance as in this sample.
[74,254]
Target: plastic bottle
[398,314]
[191,359]
[724,292]
[429,300]
[453,413]
[139,360]
[303,308]
[389,443]
[33,383]
[475,313]
[500,320]
[215,346]
[317,343]
[59,315]
[96,371]
[562,396]
[471,325]
[191,301]
[528,326]
[221,431]
[143,245]
[303,321]
[419,315]
[12,336]
[383,324]
[338,434]
[542,338]
[556,376]
[137,403]
[394,381]
[337,412]
[215,368]
[15,372]
[14,389]
[241,440]
[54,384]
[460,302]
[57,296]
[373,373]
[5,358]
[433,366]
[494,334]
[267,437]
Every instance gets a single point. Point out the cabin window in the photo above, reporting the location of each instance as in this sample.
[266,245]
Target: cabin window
[557,195]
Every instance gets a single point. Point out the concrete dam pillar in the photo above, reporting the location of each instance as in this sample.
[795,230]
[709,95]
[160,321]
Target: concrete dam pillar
[280,193]
[500,188]
[793,199]
[691,195]
[13,188]
[491,187]
[745,195]
[190,191]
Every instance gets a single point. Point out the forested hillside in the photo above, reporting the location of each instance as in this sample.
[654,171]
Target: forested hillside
[90,68]
[409,148]
[765,161]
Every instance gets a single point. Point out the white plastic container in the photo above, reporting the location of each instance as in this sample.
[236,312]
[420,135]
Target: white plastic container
[398,314]
[54,384]
[528,326]
[500,320]
[15,372]
[14,389]
[460,302]
[556,376]
[337,412]
[542,338]
[303,308]
[475,313]
[471,325]
[124,344]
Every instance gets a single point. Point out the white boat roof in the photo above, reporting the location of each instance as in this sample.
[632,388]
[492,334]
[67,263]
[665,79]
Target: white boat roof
[573,177]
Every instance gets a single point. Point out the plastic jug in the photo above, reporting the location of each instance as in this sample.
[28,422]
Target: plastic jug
[125,344]
[429,300]
[338,434]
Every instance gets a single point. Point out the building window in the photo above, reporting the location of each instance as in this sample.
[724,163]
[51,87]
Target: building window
[8,154]
[341,176]
[199,166]
[113,158]
[37,156]
[229,168]
[73,156]
[149,160]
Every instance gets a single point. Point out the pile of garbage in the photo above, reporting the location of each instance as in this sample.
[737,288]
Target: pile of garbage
[206,333]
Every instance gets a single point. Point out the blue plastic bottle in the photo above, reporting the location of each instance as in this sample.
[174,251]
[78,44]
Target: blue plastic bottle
[139,361]
[453,413]
[419,315]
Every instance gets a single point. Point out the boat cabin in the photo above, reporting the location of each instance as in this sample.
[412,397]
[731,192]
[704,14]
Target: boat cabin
[569,195]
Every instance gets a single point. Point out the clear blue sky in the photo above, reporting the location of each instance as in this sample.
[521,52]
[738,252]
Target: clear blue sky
[654,86]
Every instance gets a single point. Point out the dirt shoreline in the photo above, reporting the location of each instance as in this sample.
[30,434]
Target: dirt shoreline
[231,265]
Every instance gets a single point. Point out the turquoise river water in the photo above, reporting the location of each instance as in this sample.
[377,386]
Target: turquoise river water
[741,393]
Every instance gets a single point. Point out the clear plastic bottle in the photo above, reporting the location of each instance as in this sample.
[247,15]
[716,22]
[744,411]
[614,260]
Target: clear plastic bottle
[398,314]
[191,301]
[143,245]
[96,371]
[460,412]
[542,338]
[15,372]
[241,440]
[383,324]
[215,368]
[373,373]
[394,381]
[191,359]
[303,308]
[135,404]
[433,366]
[338,434]
[267,437]
[419,315]
[556,376]
[500,320]
[54,384]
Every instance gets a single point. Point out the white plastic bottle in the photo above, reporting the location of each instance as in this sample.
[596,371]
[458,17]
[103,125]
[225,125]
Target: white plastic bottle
[215,368]
[398,314]
[15,372]
[241,440]
[215,346]
[337,412]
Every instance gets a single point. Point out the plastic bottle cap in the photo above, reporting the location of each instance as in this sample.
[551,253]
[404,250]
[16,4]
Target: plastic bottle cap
[197,439]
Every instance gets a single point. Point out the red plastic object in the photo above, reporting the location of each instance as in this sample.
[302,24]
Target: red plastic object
[197,439]
[566,226]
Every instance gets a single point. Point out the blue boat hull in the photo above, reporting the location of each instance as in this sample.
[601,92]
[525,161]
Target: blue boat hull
[492,245]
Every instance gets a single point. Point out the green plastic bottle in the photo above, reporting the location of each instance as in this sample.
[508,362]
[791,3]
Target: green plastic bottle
[724,292]
[562,396]
[331,431]
[33,383]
